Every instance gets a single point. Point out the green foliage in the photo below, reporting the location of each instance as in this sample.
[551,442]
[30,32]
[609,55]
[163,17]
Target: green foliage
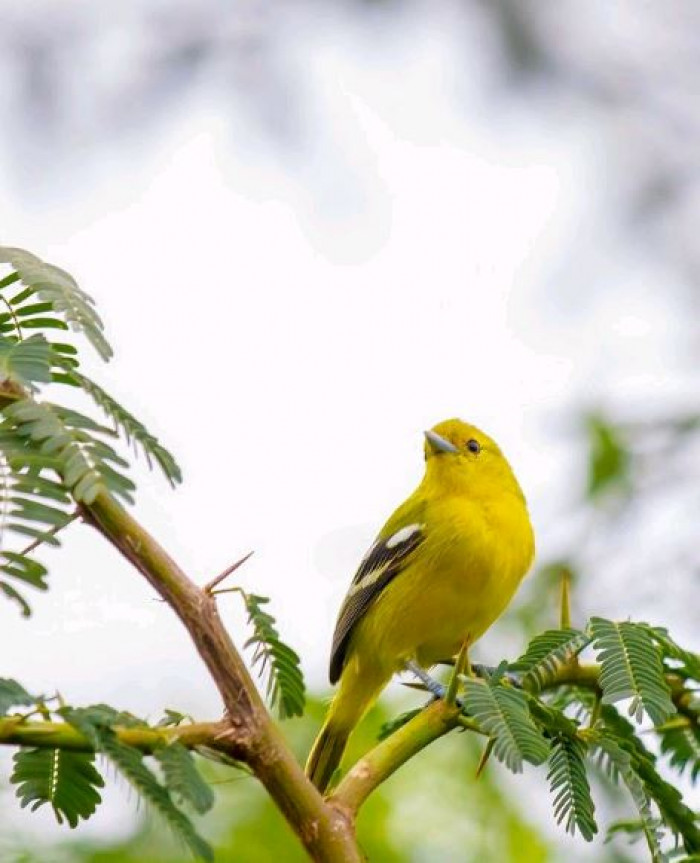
[285,681]
[133,430]
[546,653]
[12,694]
[58,295]
[182,778]
[631,668]
[50,456]
[608,458]
[684,662]
[67,781]
[92,722]
[623,765]
[25,362]
[85,462]
[682,745]
[573,803]
[680,820]
[502,712]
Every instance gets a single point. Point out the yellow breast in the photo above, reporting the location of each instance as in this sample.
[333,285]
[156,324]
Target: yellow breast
[472,561]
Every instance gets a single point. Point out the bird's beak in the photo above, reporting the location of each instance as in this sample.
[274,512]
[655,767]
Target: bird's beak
[438,443]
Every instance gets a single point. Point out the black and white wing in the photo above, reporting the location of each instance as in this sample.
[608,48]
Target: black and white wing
[385,559]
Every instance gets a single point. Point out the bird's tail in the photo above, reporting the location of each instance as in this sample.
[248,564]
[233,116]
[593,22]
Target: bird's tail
[356,694]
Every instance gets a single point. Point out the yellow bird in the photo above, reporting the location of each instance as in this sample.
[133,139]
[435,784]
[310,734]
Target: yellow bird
[442,569]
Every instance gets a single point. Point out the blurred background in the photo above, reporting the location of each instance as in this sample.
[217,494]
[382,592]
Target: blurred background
[314,229]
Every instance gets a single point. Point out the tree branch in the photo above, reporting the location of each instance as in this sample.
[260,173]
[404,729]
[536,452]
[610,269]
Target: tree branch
[370,771]
[18,731]
[251,735]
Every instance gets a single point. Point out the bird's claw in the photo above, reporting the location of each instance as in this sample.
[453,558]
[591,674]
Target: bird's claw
[435,688]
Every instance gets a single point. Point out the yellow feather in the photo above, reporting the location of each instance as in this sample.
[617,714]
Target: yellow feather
[477,544]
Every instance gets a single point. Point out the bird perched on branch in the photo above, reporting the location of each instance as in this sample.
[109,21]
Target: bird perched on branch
[442,569]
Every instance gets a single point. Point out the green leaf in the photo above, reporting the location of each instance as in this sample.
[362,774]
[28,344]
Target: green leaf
[285,682]
[547,652]
[624,765]
[66,780]
[689,662]
[12,694]
[678,817]
[182,778]
[569,785]
[68,438]
[33,503]
[100,715]
[130,762]
[551,717]
[24,568]
[172,718]
[132,429]
[608,458]
[52,285]
[631,668]
[14,595]
[502,712]
[682,745]
[25,362]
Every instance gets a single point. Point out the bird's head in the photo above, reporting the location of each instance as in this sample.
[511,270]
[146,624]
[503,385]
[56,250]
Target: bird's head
[460,457]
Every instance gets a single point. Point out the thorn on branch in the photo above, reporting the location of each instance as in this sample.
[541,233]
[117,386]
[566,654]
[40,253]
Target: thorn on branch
[485,755]
[209,587]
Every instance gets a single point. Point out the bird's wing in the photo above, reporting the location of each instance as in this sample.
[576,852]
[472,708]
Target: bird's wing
[386,558]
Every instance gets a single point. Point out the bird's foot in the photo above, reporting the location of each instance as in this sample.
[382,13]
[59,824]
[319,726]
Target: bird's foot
[435,688]
[439,690]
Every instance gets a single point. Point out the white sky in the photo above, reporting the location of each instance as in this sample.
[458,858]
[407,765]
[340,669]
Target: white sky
[289,333]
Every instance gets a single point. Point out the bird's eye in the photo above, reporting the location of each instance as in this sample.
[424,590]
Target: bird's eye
[473,446]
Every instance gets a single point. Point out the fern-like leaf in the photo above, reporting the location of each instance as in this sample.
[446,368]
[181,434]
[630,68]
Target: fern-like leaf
[285,681]
[67,781]
[682,746]
[678,817]
[86,463]
[182,778]
[573,803]
[59,298]
[33,503]
[623,763]
[502,712]
[547,652]
[689,663]
[631,668]
[25,362]
[132,429]
[130,762]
